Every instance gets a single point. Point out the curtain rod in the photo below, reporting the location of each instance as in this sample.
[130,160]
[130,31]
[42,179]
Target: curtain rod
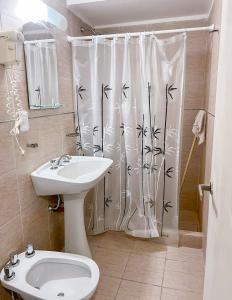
[38,41]
[210,28]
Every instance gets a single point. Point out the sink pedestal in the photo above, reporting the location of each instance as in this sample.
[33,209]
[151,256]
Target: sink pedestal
[75,234]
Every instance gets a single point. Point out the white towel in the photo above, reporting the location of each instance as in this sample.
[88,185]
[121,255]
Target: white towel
[199,126]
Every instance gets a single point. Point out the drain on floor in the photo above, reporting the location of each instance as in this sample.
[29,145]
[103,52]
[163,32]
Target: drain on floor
[60,294]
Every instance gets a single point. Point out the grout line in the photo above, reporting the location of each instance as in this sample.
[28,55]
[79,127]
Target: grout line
[129,255]
[20,208]
[140,282]
[38,117]
[181,290]
[111,276]
[164,271]
[161,293]
[72,112]
[118,288]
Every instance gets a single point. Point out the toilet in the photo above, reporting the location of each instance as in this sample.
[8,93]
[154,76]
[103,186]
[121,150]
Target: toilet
[52,275]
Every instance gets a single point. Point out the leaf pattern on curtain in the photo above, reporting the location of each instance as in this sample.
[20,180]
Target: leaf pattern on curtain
[128,108]
[167,171]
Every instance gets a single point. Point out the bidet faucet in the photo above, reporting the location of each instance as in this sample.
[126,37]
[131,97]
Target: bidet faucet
[30,251]
[9,272]
[14,261]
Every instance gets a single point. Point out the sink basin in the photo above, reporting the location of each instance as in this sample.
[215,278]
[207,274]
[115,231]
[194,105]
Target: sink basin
[79,175]
[73,180]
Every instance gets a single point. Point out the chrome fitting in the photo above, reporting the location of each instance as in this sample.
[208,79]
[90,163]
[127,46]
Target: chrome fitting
[14,260]
[30,252]
[9,273]
[54,165]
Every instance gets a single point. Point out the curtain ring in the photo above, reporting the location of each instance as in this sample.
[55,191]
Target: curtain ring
[128,36]
[142,34]
[95,39]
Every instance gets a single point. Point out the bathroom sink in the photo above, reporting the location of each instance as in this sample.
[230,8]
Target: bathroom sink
[73,179]
[79,175]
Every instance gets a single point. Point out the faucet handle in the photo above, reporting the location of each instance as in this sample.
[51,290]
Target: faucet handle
[14,260]
[66,160]
[53,163]
[30,251]
[9,273]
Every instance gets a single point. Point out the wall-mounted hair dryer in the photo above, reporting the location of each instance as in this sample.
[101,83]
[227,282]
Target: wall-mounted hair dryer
[11,43]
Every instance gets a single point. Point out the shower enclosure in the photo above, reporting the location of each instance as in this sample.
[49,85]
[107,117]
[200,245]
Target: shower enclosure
[128,107]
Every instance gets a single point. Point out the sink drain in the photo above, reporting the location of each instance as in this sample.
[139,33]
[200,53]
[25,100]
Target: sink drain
[60,294]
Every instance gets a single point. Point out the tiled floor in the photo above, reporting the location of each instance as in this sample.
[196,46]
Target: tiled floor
[132,269]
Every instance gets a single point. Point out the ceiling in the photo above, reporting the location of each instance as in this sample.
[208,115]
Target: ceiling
[112,13]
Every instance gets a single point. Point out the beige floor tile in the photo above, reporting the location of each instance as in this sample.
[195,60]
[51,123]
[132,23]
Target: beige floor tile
[107,288]
[170,294]
[145,269]
[116,240]
[185,254]
[138,291]
[183,281]
[111,262]
[148,248]
[184,267]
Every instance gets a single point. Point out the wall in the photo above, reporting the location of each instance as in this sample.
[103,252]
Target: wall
[195,95]
[212,68]
[219,245]
[24,217]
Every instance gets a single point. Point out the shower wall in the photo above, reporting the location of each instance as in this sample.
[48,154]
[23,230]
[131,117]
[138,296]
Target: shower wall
[195,99]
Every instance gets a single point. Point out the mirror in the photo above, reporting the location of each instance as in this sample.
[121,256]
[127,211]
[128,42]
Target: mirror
[41,66]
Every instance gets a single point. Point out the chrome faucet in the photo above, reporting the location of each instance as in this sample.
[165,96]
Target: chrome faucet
[63,158]
[57,163]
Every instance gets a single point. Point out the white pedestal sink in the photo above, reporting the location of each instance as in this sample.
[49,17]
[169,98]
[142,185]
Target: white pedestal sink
[73,180]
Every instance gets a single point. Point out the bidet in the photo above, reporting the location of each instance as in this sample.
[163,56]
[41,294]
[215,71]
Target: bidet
[51,275]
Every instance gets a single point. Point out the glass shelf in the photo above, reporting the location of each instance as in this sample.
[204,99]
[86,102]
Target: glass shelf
[46,106]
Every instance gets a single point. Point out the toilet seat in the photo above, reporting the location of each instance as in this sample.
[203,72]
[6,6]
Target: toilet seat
[52,275]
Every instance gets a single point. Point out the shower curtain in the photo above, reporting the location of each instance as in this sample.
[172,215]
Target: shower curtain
[128,105]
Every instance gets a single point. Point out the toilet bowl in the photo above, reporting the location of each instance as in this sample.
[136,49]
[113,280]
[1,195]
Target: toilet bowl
[53,276]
